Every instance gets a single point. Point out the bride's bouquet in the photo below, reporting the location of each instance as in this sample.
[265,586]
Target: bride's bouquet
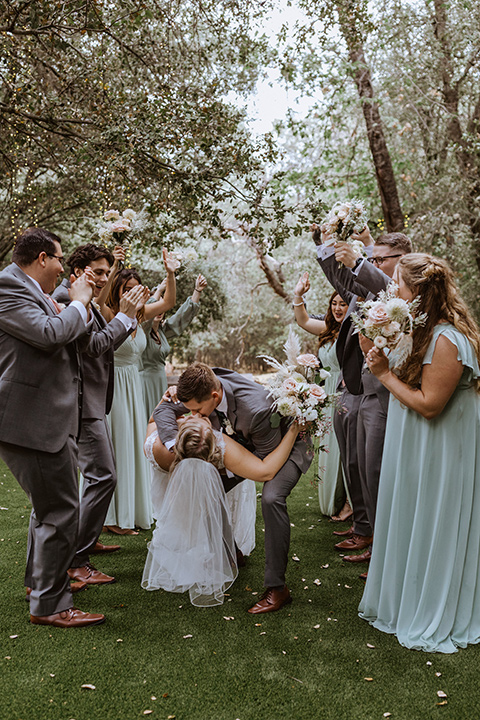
[389,322]
[342,221]
[296,389]
[120,227]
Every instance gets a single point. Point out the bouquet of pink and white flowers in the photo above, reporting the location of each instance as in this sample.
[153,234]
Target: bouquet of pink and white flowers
[389,322]
[296,389]
[342,221]
[120,227]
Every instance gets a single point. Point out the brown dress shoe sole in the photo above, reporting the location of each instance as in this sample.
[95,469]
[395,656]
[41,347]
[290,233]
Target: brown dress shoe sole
[68,619]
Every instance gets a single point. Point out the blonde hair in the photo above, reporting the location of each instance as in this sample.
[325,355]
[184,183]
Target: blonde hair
[196,440]
[433,280]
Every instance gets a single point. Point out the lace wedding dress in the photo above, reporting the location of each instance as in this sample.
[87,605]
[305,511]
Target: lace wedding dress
[192,547]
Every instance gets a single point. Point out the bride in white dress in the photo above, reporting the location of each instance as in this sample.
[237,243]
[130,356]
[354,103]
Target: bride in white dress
[193,547]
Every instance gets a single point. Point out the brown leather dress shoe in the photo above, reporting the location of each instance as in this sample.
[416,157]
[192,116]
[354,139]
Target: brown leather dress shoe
[344,533]
[356,542]
[90,575]
[73,617]
[364,557]
[74,587]
[99,548]
[271,600]
[363,576]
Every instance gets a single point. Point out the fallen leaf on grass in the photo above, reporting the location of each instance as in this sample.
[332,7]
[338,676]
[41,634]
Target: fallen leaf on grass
[444,702]
[315,627]
[88,687]
[387,714]
[368,679]
[324,567]
[317,582]
[187,636]
[228,617]
[119,640]
[52,674]
[153,697]
[147,712]
[258,624]
[263,633]
[171,717]
[428,662]
[165,695]
[248,589]
[438,674]
[349,587]
[441,694]
[372,647]
[12,637]
[8,657]
[294,557]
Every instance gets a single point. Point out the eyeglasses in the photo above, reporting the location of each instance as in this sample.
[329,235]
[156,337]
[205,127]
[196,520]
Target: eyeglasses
[379,260]
[60,258]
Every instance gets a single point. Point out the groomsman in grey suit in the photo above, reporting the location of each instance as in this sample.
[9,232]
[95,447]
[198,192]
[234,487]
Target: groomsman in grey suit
[354,278]
[95,451]
[240,405]
[40,412]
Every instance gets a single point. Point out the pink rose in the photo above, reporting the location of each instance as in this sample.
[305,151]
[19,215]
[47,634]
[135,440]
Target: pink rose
[317,392]
[289,385]
[378,314]
[308,360]
[120,226]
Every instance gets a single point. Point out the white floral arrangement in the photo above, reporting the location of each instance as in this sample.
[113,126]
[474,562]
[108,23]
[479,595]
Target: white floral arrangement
[389,322]
[120,227]
[296,388]
[342,221]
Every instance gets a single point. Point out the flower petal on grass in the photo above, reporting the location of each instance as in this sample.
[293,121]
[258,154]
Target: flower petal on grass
[87,686]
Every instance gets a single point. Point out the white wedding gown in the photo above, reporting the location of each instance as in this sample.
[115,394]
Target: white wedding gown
[192,547]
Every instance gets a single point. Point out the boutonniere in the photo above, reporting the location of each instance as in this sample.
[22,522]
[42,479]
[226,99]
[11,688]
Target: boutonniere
[228,427]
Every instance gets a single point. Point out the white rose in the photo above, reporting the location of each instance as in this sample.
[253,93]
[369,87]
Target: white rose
[310,415]
[380,342]
[111,215]
[129,213]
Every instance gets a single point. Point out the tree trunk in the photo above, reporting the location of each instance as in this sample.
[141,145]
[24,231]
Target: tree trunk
[350,22]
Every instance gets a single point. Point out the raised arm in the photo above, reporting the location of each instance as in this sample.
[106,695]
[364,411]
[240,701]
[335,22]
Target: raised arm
[242,462]
[302,318]
[169,298]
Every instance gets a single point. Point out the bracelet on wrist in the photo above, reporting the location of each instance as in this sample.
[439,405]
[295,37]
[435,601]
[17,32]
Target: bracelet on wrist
[298,304]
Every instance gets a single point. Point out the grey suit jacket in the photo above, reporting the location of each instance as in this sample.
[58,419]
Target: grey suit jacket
[367,284]
[249,412]
[97,358]
[40,381]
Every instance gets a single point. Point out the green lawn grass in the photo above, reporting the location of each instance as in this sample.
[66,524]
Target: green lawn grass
[310,660]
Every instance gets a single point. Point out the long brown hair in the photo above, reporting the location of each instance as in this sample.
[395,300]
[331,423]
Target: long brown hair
[432,279]
[120,280]
[330,334]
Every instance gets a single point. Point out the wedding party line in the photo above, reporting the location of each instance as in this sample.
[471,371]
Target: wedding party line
[388,410]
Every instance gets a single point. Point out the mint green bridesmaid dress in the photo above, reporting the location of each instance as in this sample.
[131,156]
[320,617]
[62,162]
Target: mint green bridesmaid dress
[424,579]
[331,489]
[131,503]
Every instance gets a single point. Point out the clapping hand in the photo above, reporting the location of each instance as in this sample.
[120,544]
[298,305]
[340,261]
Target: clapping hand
[133,300]
[303,285]
[83,287]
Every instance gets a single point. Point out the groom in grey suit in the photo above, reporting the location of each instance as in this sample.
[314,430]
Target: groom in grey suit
[224,395]
[40,412]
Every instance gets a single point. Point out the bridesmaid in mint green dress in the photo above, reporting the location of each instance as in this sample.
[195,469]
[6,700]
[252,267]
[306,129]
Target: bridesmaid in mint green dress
[331,485]
[152,374]
[131,502]
[423,584]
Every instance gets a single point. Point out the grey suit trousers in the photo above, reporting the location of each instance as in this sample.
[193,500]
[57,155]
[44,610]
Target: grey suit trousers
[345,423]
[372,420]
[50,481]
[277,522]
[96,461]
